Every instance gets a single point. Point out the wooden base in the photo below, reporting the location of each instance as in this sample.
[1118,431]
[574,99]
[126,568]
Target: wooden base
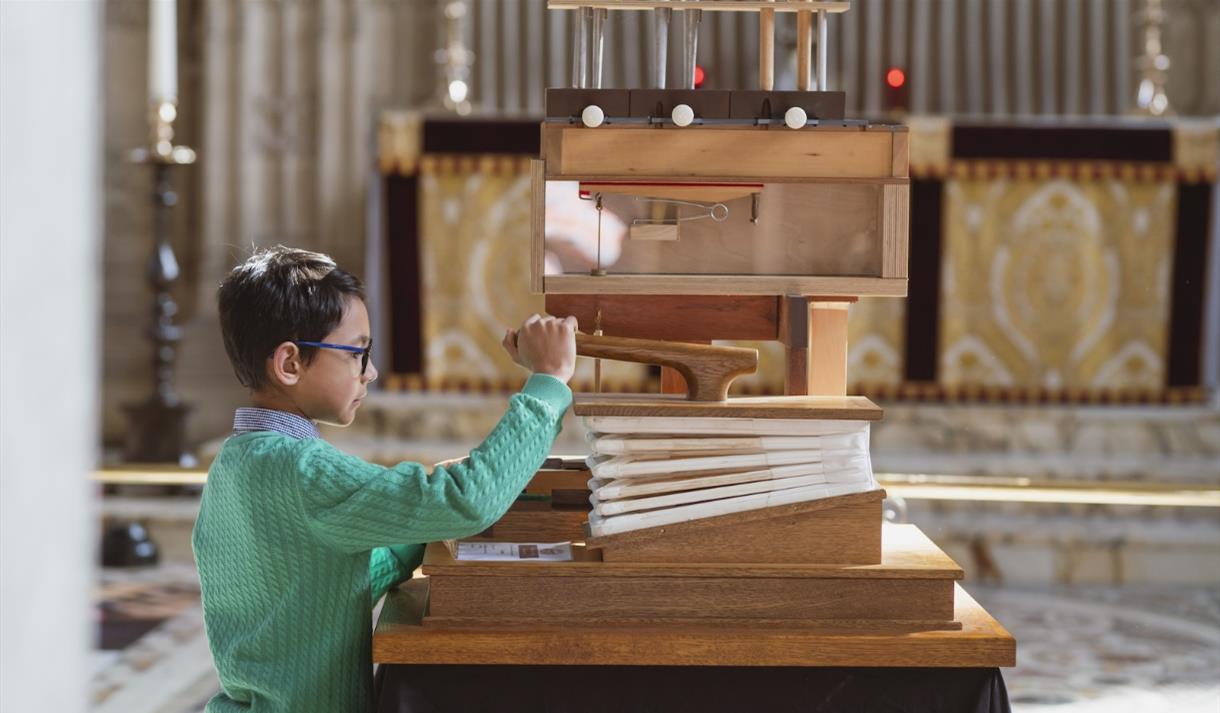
[845,529]
[913,583]
[401,638]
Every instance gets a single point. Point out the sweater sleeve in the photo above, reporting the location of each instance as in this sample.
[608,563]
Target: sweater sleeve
[389,566]
[357,506]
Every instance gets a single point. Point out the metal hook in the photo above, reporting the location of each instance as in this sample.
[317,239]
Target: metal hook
[718,212]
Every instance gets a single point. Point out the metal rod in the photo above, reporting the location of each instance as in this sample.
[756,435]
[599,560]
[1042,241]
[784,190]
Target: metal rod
[821,69]
[691,47]
[599,43]
[804,47]
[660,18]
[766,50]
[580,48]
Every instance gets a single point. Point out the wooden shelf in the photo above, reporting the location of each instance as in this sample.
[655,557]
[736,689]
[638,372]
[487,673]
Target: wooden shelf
[855,286]
[663,405]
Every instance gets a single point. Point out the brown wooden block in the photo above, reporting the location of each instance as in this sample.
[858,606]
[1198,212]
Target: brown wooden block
[732,153]
[828,348]
[845,529]
[718,598]
[684,318]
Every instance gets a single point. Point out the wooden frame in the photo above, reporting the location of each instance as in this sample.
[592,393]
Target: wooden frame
[718,163]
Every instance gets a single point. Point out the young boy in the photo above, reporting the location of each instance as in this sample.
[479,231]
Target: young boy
[295,541]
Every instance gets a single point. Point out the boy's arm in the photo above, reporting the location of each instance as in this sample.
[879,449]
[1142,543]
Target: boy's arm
[355,506]
[389,566]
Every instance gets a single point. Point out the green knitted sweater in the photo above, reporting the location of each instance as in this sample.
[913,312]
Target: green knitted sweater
[296,541]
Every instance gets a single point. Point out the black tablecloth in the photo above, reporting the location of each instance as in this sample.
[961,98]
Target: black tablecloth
[678,689]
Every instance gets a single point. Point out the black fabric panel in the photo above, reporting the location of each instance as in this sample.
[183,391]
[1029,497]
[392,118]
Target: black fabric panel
[687,689]
[1187,290]
[406,299]
[1063,143]
[923,281]
[482,136]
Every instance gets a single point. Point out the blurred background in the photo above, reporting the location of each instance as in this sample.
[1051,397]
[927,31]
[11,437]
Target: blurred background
[1049,385]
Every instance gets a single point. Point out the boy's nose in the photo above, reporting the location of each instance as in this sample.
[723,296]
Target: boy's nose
[370,374]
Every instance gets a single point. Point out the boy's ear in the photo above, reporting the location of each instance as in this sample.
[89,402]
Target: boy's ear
[284,364]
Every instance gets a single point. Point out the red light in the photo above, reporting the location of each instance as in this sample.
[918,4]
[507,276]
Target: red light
[895,77]
[699,76]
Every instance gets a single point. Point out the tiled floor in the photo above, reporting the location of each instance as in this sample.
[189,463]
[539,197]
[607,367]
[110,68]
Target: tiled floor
[1080,650]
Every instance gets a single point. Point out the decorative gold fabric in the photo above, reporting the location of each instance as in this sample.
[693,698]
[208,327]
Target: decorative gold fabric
[475,250]
[1056,283]
[1051,280]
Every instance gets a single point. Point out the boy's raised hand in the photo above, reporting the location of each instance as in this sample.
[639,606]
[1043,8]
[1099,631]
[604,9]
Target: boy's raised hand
[545,345]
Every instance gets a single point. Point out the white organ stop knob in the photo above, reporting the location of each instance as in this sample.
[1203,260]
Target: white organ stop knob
[682,115]
[592,116]
[796,117]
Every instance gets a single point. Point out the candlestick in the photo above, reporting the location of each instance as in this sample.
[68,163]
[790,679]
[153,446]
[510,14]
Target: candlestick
[157,431]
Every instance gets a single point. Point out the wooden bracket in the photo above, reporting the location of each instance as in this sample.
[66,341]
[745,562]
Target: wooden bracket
[708,370]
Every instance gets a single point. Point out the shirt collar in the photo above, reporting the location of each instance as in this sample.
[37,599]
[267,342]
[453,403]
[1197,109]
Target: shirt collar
[249,420]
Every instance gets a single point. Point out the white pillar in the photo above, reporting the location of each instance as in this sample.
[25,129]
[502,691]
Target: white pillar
[50,220]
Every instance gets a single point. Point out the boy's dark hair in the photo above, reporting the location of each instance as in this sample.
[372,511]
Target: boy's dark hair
[280,295]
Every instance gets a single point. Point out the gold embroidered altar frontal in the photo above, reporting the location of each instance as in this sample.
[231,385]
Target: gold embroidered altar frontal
[1056,280]
[1056,283]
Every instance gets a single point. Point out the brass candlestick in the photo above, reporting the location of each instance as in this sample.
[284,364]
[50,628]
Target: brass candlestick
[1153,64]
[157,431]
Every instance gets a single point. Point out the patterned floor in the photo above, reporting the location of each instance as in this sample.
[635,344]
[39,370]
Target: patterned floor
[1080,650]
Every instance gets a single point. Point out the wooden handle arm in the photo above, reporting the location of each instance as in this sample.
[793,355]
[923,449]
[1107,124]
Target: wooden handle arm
[708,369]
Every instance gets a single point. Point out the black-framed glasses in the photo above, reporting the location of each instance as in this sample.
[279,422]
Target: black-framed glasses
[362,351]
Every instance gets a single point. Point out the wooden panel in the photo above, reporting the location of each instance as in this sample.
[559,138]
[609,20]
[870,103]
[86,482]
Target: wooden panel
[685,318]
[895,230]
[720,285]
[705,151]
[901,153]
[842,626]
[537,223]
[828,348]
[708,192]
[820,407]
[400,638]
[690,598]
[840,530]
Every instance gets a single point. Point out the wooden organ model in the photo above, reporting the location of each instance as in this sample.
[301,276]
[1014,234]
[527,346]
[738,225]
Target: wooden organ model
[665,219]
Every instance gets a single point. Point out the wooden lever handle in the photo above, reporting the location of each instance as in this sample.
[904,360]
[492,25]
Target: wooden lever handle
[708,369]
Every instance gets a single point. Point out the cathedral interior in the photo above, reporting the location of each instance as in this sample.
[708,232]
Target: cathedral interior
[1050,381]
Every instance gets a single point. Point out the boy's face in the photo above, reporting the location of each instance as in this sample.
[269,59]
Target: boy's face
[331,387]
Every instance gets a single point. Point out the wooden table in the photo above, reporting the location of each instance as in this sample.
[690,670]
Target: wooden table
[401,638]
